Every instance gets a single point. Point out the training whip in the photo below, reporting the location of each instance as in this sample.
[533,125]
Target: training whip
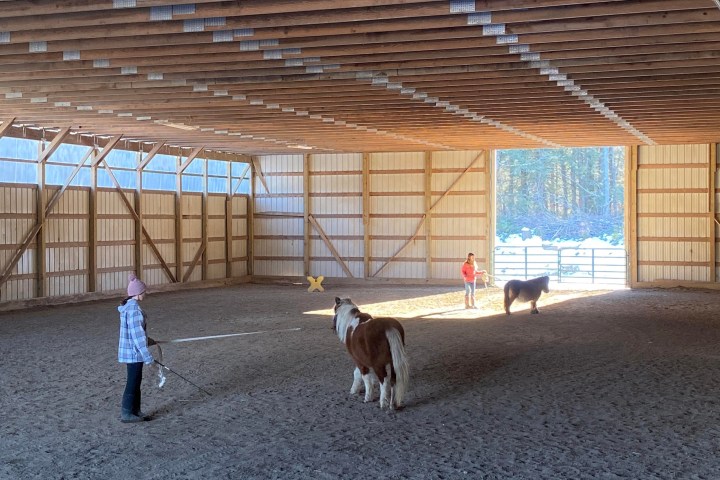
[181,340]
[188,381]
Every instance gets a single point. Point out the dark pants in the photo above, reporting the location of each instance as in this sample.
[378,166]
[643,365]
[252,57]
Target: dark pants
[131,396]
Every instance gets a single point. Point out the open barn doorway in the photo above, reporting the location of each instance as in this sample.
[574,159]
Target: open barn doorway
[560,212]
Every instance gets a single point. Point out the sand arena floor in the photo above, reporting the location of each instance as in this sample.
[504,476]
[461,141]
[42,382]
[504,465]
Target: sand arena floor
[600,384]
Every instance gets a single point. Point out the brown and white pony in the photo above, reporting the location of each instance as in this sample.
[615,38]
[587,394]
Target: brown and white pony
[377,346]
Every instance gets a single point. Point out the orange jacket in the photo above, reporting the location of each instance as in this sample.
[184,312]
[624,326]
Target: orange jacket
[469,272]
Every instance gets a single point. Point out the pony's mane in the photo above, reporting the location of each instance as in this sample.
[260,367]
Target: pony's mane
[346,314]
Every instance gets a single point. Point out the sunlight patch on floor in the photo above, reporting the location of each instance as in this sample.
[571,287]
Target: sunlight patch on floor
[451,306]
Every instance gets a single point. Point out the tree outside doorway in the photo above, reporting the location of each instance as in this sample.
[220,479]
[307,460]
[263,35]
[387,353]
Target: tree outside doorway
[560,212]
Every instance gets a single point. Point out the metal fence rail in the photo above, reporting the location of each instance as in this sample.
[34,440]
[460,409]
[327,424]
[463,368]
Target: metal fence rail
[607,266]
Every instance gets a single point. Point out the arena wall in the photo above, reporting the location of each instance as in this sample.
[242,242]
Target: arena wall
[672,199]
[407,216]
[68,243]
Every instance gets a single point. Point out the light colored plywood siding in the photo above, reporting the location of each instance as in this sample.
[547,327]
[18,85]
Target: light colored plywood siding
[239,235]
[460,218]
[279,248]
[192,234]
[17,217]
[216,237]
[336,204]
[158,217]
[674,232]
[715,229]
[397,206]
[66,236]
[115,241]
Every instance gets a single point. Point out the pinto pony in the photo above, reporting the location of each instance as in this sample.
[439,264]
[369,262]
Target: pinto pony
[377,346]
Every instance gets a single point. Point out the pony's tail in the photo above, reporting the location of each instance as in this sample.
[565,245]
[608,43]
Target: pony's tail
[400,365]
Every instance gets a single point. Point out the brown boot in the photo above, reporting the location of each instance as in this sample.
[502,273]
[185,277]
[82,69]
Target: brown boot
[467,302]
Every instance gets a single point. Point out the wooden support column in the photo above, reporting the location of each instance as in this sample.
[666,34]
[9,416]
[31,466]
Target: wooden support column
[92,230]
[490,210]
[204,224]
[229,224]
[366,213]
[306,214]
[712,208]
[631,220]
[178,223]
[138,225]
[428,215]
[40,249]
[251,221]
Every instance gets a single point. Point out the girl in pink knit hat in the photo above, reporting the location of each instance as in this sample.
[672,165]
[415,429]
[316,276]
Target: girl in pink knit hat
[133,349]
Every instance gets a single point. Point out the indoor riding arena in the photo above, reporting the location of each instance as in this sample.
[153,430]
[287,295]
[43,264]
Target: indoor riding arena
[230,170]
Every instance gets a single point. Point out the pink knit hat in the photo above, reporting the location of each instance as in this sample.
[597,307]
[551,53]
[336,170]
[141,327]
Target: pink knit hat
[135,286]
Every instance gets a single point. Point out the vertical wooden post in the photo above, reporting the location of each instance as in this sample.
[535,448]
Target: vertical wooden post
[251,221]
[490,212]
[428,215]
[366,213]
[631,219]
[712,208]
[92,230]
[40,253]
[306,214]
[178,222]
[229,223]
[204,223]
[138,225]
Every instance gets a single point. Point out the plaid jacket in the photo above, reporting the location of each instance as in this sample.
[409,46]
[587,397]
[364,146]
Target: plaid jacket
[133,341]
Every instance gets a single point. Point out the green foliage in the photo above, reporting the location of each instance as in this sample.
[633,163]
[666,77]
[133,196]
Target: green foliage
[567,194]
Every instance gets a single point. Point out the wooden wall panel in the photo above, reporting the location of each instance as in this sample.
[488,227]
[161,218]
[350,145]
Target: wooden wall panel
[66,237]
[115,239]
[239,235]
[460,220]
[192,234]
[397,205]
[17,217]
[335,201]
[279,247]
[675,230]
[158,217]
[70,259]
[216,237]
[715,229]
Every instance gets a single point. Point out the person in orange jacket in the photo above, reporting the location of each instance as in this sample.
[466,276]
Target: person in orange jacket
[469,272]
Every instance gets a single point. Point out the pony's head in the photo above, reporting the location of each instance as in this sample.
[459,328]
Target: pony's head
[545,282]
[345,312]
